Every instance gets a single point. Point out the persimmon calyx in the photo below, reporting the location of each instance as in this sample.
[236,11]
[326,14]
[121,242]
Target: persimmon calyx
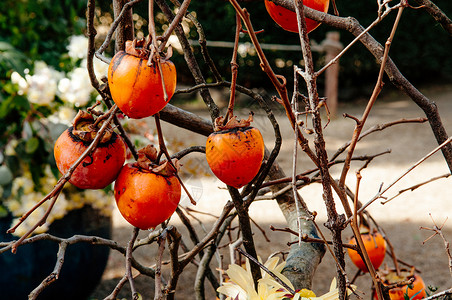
[147,160]
[232,123]
[85,128]
[390,275]
[140,48]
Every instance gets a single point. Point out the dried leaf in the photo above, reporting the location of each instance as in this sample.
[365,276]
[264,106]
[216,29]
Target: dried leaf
[167,169]
[233,122]
[84,128]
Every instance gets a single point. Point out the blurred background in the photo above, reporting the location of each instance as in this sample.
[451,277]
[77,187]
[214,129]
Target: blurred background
[40,30]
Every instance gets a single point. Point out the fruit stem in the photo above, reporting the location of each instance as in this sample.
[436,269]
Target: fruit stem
[165,94]
[234,69]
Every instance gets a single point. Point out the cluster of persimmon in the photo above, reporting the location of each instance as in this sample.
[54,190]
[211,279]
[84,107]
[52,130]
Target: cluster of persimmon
[148,191]
[375,246]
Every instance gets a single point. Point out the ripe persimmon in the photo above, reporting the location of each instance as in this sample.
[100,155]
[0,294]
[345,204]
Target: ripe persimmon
[135,86]
[147,194]
[287,19]
[375,245]
[415,290]
[98,169]
[235,153]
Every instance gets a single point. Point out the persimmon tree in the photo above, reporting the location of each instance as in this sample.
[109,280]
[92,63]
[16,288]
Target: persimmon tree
[309,243]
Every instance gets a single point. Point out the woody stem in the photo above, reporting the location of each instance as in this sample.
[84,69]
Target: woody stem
[164,150]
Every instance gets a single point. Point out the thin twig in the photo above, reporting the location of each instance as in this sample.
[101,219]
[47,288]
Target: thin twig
[117,288]
[164,150]
[381,193]
[437,230]
[129,251]
[158,269]
[53,276]
[175,22]
[377,89]
[416,186]
[254,260]
[53,195]
[234,69]
[111,31]
[439,295]
[376,128]
[306,238]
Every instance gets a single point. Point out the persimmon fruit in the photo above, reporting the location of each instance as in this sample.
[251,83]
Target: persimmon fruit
[287,19]
[136,87]
[98,169]
[146,197]
[415,290]
[375,246]
[235,155]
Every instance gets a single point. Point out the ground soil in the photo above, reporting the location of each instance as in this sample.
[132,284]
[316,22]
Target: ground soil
[400,218]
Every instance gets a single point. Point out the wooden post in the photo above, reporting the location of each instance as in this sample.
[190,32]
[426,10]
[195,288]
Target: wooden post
[332,46]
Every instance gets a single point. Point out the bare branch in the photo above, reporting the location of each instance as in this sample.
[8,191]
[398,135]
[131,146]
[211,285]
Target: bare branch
[437,14]
[416,186]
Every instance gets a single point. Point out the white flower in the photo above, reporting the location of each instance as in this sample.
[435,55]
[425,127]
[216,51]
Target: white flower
[78,46]
[41,87]
[241,285]
[10,148]
[100,68]
[13,205]
[76,89]
[24,183]
[20,81]
[65,115]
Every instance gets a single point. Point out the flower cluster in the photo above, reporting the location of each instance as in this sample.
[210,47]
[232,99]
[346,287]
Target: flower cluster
[240,285]
[46,83]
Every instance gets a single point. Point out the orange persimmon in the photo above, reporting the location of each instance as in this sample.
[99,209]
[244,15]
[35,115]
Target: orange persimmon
[416,290]
[137,87]
[235,154]
[98,169]
[287,19]
[375,246]
[147,194]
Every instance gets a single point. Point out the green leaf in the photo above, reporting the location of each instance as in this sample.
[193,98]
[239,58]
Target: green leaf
[21,103]
[5,107]
[11,58]
[3,211]
[32,145]
[6,176]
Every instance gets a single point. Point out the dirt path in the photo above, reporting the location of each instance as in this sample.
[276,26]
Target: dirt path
[401,218]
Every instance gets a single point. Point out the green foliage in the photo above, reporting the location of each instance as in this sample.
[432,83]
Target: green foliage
[11,59]
[40,28]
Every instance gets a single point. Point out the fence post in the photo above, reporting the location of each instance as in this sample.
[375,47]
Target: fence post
[332,46]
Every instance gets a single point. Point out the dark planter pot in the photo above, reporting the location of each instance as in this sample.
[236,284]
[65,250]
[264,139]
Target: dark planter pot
[83,266]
